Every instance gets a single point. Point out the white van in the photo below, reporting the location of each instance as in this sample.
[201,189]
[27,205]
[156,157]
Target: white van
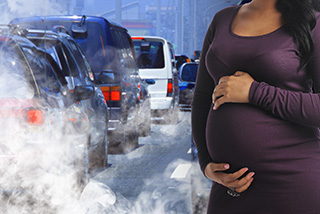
[155,58]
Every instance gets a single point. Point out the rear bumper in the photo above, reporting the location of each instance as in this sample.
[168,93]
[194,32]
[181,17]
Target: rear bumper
[114,118]
[164,103]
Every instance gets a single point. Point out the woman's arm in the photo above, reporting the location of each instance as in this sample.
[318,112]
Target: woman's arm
[201,105]
[298,107]
[202,102]
[302,108]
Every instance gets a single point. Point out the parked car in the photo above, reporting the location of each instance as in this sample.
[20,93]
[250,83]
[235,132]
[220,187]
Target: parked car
[180,59]
[155,58]
[38,113]
[187,75]
[76,69]
[109,49]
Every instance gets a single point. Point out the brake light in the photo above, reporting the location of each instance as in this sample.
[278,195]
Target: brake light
[111,93]
[138,38]
[35,117]
[169,88]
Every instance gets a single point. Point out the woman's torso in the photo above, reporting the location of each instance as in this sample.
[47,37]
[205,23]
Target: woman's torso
[248,136]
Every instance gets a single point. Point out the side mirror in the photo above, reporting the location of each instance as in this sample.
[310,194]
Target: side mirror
[80,30]
[83,92]
[150,81]
[108,77]
[188,72]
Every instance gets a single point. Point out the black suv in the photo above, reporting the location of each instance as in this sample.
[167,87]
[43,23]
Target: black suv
[109,49]
[77,71]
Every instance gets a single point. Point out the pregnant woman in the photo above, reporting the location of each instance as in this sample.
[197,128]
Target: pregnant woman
[256,108]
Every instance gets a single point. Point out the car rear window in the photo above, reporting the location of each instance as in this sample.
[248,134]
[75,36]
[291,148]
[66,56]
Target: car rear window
[15,74]
[149,54]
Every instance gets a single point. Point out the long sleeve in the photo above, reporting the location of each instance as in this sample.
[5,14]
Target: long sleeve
[202,101]
[298,107]
[302,108]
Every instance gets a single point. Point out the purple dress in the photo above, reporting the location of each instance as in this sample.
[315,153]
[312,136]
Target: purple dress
[276,135]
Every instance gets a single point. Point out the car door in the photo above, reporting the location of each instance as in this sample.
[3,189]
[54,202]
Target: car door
[152,65]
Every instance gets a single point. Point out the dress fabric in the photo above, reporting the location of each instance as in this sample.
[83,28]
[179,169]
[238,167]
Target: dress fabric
[276,135]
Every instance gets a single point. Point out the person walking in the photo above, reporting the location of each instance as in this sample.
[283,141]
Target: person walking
[256,108]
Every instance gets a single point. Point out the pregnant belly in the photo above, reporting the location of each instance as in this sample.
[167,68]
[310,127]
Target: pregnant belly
[244,135]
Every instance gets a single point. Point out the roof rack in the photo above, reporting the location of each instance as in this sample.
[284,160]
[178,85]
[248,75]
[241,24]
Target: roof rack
[12,29]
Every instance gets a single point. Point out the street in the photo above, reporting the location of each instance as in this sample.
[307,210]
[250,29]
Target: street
[154,178]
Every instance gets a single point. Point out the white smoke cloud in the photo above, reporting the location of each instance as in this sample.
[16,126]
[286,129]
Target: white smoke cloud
[20,8]
[42,178]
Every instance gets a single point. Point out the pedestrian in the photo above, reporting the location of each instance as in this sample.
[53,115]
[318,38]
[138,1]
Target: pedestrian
[256,108]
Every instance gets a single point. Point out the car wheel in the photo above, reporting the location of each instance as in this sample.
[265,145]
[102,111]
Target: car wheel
[116,140]
[173,116]
[131,137]
[145,129]
[83,175]
[103,154]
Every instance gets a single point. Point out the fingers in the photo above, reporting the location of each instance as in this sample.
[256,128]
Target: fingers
[245,186]
[218,167]
[219,102]
[215,172]
[232,180]
[239,73]
[242,184]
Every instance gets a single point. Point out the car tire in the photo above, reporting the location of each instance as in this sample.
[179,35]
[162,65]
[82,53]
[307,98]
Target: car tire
[103,154]
[83,175]
[145,129]
[116,140]
[172,117]
[131,137]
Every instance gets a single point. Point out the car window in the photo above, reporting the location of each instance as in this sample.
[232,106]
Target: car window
[15,76]
[82,61]
[149,54]
[96,48]
[74,69]
[44,73]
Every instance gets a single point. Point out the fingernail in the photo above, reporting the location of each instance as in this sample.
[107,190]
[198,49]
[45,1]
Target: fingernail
[226,166]
[252,174]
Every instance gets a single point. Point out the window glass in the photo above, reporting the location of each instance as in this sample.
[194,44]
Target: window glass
[44,73]
[82,61]
[74,69]
[15,77]
[149,54]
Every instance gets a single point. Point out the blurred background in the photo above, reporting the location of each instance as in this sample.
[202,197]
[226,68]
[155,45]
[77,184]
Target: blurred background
[181,22]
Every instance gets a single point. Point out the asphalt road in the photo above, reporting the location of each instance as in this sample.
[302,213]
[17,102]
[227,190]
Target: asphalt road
[157,178]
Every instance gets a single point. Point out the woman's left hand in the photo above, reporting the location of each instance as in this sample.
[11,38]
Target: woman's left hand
[232,89]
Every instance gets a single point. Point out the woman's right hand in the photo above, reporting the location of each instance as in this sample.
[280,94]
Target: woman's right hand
[215,172]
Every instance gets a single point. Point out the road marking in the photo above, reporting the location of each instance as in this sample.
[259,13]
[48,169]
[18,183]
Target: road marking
[189,152]
[181,171]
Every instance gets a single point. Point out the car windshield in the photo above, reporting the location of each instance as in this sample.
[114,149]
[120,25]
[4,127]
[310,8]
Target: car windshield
[14,72]
[149,54]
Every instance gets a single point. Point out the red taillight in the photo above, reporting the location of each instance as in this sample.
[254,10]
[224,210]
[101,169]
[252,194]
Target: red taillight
[169,88]
[112,93]
[115,95]
[137,38]
[35,117]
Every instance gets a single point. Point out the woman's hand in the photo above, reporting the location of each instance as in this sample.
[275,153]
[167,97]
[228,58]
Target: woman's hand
[232,89]
[215,172]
